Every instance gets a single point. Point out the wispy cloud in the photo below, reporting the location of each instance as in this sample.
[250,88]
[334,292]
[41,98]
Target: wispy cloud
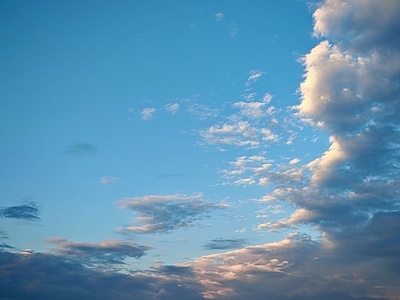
[162,214]
[102,254]
[81,148]
[172,108]
[237,133]
[254,76]
[28,211]
[148,113]
[219,16]
[202,111]
[225,244]
[255,109]
[108,180]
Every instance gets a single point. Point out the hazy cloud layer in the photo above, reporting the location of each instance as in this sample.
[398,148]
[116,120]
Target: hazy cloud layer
[28,211]
[161,214]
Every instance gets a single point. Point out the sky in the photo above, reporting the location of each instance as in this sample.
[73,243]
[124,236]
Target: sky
[200,149]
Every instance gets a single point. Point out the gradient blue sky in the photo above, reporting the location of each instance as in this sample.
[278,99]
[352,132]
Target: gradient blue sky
[200,148]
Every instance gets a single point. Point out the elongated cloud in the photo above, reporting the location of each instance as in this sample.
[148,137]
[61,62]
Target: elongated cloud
[225,244]
[161,214]
[27,211]
[105,253]
[81,148]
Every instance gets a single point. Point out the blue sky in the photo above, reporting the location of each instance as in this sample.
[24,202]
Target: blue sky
[200,148]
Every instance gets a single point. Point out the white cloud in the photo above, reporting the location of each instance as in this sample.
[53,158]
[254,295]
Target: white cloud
[108,180]
[172,107]
[294,161]
[254,109]
[254,76]
[239,133]
[219,16]
[148,113]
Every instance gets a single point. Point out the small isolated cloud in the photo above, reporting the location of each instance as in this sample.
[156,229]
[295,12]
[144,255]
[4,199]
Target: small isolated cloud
[28,211]
[172,107]
[225,244]
[234,29]
[108,180]
[162,214]
[219,16]
[254,75]
[81,148]
[110,252]
[148,113]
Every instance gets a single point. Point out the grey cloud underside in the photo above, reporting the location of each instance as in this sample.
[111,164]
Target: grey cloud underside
[44,276]
[162,214]
[28,211]
[104,254]
[81,148]
[295,268]
[225,244]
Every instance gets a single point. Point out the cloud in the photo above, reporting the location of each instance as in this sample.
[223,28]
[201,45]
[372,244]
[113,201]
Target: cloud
[360,25]
[254,109]
[28,211]
[5,246]
[162,214]
[257,169]
[236,133]
[244,129]
[108,180]
[224,244]
[104,254]
[294,268]
[202,111]
[81,148]
[48,276]
[172,108]
[148,113]
[351,90]
[300,268]
[254,76]
[219,16]
[349,195]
